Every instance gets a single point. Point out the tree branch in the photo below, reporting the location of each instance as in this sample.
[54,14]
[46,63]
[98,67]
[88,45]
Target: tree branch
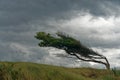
[99,57]
[91,60]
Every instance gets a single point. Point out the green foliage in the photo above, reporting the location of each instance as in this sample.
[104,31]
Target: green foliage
[69,44]
[48,40]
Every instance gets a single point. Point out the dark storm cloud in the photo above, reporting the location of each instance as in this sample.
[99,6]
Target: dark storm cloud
[14,12]
[17,12]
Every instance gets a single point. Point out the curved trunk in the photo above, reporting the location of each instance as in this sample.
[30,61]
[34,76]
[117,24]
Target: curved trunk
[107,65]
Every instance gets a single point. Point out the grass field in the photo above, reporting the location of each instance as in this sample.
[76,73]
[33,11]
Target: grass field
[33,71]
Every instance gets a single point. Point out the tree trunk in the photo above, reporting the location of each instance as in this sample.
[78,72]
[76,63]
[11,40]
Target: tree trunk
[107,64]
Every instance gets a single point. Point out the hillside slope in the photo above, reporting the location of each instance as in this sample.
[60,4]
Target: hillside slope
[33,71]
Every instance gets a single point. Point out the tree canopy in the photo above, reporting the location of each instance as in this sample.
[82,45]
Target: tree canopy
[72,47]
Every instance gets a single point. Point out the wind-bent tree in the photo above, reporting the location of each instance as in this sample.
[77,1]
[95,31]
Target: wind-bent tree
[72,47]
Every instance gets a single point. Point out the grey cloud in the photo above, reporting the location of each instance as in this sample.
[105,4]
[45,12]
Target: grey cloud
[21,19]
[20,52]
[15,12]
[93,32]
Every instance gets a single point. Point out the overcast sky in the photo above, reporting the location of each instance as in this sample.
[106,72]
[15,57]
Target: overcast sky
[96,23]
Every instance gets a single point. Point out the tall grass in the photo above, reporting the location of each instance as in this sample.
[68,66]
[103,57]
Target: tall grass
[32,71]
[116,72]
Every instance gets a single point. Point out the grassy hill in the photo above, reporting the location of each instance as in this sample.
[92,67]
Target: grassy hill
[33,71]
